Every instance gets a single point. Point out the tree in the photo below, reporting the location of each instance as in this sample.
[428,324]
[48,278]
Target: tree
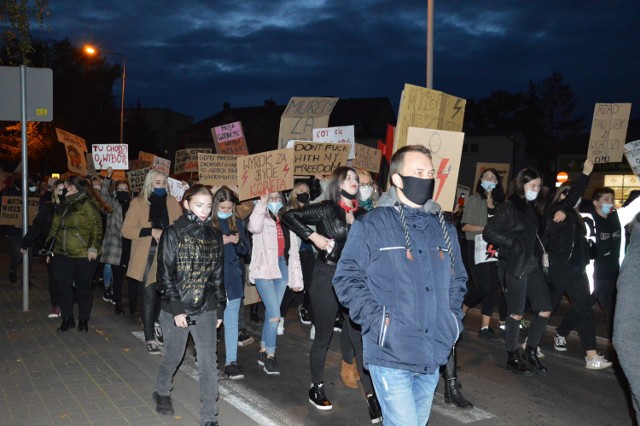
[15,20]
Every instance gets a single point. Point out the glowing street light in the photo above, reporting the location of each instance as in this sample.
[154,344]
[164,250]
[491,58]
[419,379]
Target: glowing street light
[90,50]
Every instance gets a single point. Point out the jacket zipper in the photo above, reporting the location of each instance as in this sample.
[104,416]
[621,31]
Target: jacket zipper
[386,317]
[80,238]
[455,321]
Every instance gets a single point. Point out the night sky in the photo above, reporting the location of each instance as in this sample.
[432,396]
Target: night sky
[191,56]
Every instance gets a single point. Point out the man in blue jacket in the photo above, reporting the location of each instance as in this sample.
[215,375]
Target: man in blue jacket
[402,278]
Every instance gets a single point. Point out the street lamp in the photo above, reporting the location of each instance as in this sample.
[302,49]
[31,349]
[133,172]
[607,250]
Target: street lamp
[90,50]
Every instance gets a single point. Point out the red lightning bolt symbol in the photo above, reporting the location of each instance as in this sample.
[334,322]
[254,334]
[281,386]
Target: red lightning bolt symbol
[245,176]
[442,177]
[285,169]
[491,251]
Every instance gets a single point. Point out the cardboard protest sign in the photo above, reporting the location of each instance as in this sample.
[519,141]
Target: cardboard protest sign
[116,175]
[136,178]
[501,168]
[146,159]
[608,133]
[113,155]
[312,158]
[218,169]
[632,153]
[75,146]
[229,139]
[427,109]
[342,134]
[266,172]
[367,158]
[11,210]
[446,153]
[301,116]
[177,188]
[462,191]
[484,251]
[88,158]
[187,159]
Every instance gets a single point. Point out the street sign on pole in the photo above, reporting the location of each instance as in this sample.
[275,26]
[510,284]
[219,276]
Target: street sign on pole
[39,94]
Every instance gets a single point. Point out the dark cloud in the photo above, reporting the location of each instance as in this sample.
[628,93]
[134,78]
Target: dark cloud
[191,56]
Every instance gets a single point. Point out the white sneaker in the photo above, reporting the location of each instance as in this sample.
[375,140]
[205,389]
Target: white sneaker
[598,362]
[280,330]
[538,351]
[559,343]
[312,333]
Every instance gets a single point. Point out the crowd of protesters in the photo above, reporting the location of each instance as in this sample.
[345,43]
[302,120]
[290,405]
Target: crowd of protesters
[389,270]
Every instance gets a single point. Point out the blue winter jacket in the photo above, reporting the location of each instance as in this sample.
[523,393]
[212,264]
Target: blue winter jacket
[233,260]
[409,310]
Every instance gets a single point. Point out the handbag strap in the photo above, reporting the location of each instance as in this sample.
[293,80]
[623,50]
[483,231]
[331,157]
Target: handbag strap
[66,210]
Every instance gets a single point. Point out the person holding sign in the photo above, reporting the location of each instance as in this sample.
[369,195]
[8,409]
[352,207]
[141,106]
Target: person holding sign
[77,231]
[332,219]
[275,263]
[152,211]
[517,229]
[236,247]
[480,206]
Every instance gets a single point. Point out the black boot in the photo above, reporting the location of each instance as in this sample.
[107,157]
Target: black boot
[530,355]
[66,323]
[118,309]
[83,325]
[452,394]
[516,364]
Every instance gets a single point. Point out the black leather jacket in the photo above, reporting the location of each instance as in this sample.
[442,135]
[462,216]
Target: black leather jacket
[513,229]
[330,221]
[190,265]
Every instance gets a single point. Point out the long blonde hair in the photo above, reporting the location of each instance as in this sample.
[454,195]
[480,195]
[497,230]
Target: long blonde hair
[147,186]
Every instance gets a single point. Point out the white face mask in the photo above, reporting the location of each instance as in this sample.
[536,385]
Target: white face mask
[531,195]
[365,192]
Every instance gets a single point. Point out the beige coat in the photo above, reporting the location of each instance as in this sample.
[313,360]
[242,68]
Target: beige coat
[137,218]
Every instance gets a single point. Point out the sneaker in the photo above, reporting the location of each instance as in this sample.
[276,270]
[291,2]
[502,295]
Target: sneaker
[262,357]
[539,353]
[55,312]
[271,366]
[157,333]
[560,343]
[280,330]
[317,398]
[487,333]
[598,362]
[375,412]
[234,371]
[244,339]
[153,348]
[163,403]
[305,316]
[337,326]
[312,333]
[502,326]
[106,294]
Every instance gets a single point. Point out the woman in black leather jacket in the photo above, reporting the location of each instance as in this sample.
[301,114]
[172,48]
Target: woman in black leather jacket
[191,285]
[517,229]
[332,219]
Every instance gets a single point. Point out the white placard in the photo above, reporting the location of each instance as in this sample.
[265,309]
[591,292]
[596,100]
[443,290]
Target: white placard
[483,251]
[341,134]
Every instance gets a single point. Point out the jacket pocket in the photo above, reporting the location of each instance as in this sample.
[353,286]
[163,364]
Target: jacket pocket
[384,326]
[84,244]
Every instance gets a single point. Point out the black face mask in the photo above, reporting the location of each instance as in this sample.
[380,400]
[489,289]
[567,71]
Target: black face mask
[122,197]
[61,196]
[348,196]
[64,193]
[303,197]
[417,190]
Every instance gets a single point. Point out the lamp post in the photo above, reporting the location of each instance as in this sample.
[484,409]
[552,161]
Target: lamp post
[92,51]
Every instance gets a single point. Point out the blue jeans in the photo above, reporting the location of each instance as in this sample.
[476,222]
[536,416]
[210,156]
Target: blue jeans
[405,397]
[231,330]
[271,293]
[107,275]
[175,343]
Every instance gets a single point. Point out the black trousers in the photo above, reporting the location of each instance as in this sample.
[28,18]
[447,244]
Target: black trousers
[485,283]
[604,292]
[116,285]
[70,270]
[307,262]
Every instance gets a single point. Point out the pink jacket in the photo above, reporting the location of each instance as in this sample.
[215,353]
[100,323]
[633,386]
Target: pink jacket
[264,256]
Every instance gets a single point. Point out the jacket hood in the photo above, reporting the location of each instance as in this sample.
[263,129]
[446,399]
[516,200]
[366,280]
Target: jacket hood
[389,198]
